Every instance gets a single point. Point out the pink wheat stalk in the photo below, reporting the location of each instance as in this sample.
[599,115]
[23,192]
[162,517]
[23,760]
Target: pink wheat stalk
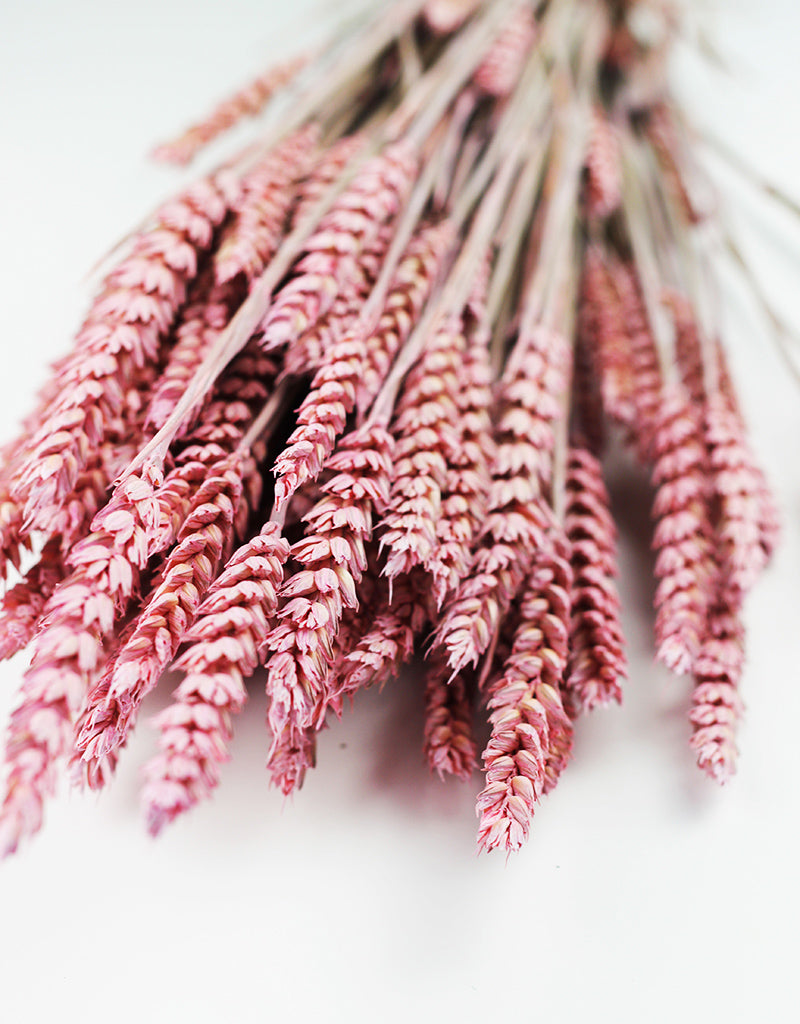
[597,655]
[321,418]
[22,606]
[238,397]
[245,248]
[89,494]
[316,347]
[69,653]
[156,508]
[14,537]
[333,558]
[162,624]
[688,348]
[745,514]
[424,427]
[603,193]
[516,517]
[412,284]
[245,102]
[531,738]
[203,320]
[603,326]
[312,350]
[663,136]
[500,70]
[261,212]
[746,520]
[355,623]
[144,516]
[449,744]
[716,704]
[467,483]
[325,173]
[769,514]
[587,399]
[291,755]
[70,521]
[120,336]
[383,649]
[355,363]
[195,729]
[645,371]
[682,533]
[375,195]
[98,773]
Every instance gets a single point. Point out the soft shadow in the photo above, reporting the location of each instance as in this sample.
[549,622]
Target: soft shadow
[399,772]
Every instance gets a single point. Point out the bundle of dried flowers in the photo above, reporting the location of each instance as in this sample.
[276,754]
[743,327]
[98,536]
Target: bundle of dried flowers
[381,350]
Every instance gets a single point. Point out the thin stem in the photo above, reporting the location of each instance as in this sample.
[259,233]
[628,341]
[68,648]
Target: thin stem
[454,294]
[410,59]
[424,107]
[516,120]
[687,264]
[558,492]
[515,227]
[467,161]
[649,278]
[750,173]
[350,59]
[544,294]
[453,144]
[785,337]
[409,219]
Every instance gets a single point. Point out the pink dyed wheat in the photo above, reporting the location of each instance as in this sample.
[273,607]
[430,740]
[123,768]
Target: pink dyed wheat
[375,195]
[22,606]
[69,653]
[603,326]
[682,534]
[716,705]
[499,71]
[531,737]
[744,505]
[246,102]
[426,437]
[642,358]
[355,365]
[467,483]
[196,729]
[389,643]
[121,335]
[603,172]
[449,744]
[333,558]
[597,655]
[266,196]
[202,322]
[162,624]
[515,517]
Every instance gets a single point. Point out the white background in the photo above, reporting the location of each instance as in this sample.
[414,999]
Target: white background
[646,892]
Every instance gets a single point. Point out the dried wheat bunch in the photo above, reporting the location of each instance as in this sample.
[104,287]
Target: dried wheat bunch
[345,400]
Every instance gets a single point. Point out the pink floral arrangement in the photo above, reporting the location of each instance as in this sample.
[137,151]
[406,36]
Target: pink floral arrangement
[344,402]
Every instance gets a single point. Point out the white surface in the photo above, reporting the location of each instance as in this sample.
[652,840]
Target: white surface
[645,894]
